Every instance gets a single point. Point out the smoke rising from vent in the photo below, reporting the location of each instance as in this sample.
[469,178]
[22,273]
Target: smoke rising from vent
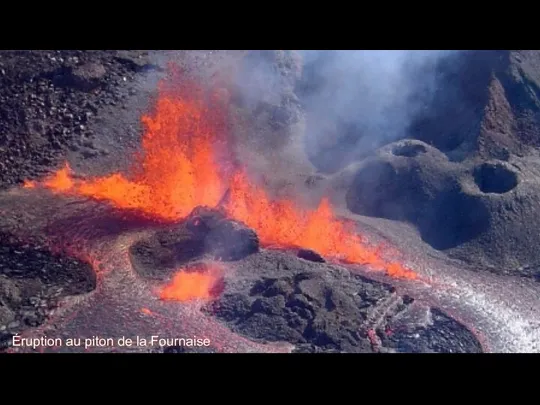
[357,101]
[270,136]
[349,102]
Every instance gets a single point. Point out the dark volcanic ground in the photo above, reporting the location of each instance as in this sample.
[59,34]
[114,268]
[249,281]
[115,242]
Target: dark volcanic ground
[481,189]
[321,308]
[266,296]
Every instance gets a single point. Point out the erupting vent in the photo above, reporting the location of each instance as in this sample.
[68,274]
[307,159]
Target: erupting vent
[185,164]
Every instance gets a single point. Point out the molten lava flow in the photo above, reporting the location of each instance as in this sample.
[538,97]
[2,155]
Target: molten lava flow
[178,170]
[283,223]
[178,167]
[187,286]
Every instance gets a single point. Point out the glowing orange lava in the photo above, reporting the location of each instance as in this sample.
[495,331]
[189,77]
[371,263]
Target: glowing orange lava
[61,181]
[29,184]
[179,169]
[187,286]
[283,223]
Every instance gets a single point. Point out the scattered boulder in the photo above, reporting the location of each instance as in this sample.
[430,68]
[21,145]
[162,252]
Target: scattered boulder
[231,240]
[205,231]
[10,295]
[224,239]
[203,219]
[6,315]
[310,255]
[88,77]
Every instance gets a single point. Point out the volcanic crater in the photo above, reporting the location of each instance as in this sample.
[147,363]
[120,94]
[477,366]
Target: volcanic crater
[179,238]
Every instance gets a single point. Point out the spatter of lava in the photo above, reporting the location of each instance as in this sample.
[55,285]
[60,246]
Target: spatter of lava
[190,285]
[181,168]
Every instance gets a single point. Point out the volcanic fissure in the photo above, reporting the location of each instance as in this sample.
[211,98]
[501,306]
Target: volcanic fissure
[186,163]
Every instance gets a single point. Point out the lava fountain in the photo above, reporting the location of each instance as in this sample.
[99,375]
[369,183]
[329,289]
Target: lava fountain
[185,163]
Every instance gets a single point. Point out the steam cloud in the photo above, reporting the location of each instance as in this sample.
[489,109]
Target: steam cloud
[353,101]
[359,100]
[328,107]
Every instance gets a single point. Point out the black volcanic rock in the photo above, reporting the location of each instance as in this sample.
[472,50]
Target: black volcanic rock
[224,238]
[21,260]
[166,250]
[310,255]
[231,240]
[32,280]
[322,309]
[487,104]
[203,219]
[442,334]
[205,232]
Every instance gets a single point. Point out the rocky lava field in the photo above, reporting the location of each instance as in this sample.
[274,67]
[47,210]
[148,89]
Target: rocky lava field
[133,206]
